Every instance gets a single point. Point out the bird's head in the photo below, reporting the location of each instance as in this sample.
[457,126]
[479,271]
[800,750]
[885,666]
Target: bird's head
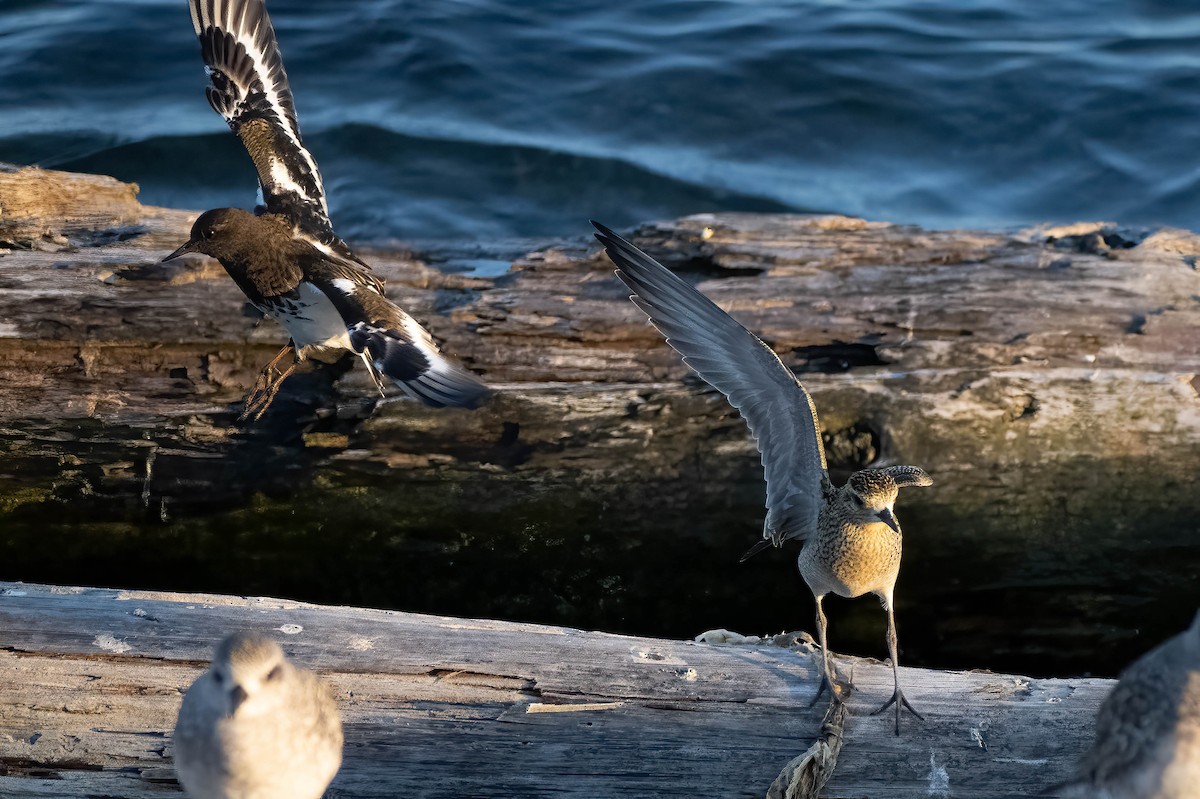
[210,233]
[249,673]
[872,492]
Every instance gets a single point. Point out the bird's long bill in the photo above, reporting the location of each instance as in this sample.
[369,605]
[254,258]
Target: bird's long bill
[887,518]
[188,246]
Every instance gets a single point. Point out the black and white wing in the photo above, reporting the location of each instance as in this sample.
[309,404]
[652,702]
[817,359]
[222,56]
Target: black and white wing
[391,342]
[249,88]
[776,407]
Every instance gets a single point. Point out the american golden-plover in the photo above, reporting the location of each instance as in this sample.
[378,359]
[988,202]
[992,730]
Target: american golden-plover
[254,726]
[852,541]
[1148,730]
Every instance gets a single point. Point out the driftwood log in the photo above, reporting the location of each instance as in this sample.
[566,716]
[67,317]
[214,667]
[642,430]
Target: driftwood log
[91,681]
[1046,379]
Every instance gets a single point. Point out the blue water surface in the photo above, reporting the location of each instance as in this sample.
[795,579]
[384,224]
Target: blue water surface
[478,120]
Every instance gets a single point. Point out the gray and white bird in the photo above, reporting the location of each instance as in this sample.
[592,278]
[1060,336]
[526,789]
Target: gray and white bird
[851,539]
[286,258]
[255,726]
[1148,729]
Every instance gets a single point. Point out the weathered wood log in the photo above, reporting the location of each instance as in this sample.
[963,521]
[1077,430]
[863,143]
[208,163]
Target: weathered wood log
[91,681]
[40,209]
[1047,380]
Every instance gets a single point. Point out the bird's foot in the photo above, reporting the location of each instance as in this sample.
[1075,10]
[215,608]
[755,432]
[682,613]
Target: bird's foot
[266,387]
[898,699]
[256,404]
[837,691]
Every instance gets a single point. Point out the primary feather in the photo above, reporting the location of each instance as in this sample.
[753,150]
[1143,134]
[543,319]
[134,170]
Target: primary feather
[249,88]
[776,407]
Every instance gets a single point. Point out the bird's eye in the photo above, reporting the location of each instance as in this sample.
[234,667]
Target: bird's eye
[274,673]
[218,677]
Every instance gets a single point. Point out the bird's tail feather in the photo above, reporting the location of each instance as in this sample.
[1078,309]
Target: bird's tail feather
[417,368]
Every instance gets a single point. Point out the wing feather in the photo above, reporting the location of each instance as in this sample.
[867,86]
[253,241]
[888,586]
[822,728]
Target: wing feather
[391,342]
[776,407]
[249,88]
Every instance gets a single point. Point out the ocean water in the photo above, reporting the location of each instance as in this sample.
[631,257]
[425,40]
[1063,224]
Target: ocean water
[479,120]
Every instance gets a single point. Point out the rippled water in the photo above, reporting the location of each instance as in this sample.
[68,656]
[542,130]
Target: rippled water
[491,120]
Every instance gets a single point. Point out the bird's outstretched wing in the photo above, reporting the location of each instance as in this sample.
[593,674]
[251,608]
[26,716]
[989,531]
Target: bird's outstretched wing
[737,363]
[249,88]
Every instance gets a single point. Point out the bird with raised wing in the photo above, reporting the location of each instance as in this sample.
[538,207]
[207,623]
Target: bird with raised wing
[285,257]
[1147,742]
[851,539]
[256,726]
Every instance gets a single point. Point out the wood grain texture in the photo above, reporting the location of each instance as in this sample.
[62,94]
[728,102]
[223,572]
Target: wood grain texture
[91,680]
[1047,380]
[41,208]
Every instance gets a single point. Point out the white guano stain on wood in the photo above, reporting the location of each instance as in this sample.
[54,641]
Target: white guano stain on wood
[540,707]
[656,657]
[723,636]
[979,734]
[290,629]
[110,644]
[939,778]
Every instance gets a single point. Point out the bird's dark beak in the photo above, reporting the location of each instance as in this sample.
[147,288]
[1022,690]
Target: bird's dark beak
[887,518]
[237,695]
[188,246]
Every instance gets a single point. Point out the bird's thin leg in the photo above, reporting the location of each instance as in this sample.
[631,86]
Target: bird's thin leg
[269,395]
[366,358]
[267,374]
[898,698]
[270,378]
[828,677]
[288,349]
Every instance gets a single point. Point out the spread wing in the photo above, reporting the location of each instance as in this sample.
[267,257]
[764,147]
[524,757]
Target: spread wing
[776,407]
[249,88]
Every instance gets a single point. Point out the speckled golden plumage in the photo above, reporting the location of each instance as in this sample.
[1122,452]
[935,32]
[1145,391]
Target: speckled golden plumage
[852,542]
[856,550]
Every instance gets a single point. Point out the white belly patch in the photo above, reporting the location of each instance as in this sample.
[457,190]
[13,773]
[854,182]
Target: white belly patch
[311,319]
